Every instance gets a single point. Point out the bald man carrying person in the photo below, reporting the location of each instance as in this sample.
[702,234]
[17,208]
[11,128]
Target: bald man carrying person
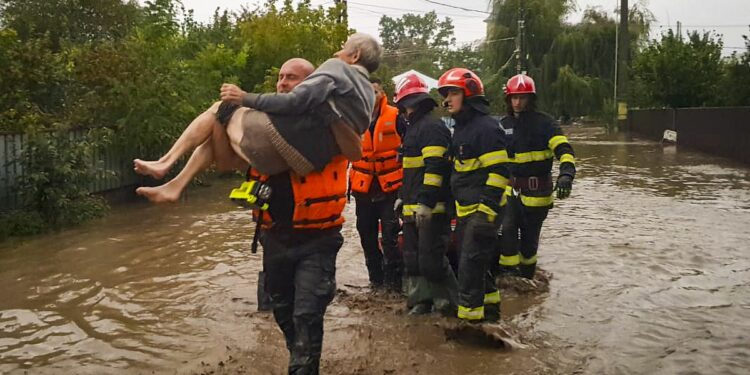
[302,130]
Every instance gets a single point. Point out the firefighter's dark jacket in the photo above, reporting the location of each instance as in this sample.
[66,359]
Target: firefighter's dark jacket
[480,166]
[534,141]
[425,161]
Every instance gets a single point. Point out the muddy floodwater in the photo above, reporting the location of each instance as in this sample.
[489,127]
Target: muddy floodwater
[649,262]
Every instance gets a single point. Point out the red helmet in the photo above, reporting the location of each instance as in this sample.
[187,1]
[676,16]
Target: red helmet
[520,84]
[461,78]
[410,84]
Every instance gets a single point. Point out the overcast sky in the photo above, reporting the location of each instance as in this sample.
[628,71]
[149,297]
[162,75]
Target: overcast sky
[727,17]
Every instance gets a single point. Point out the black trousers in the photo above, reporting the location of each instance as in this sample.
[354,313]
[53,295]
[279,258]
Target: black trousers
[370,216]
[522,227]
[301,282]
[424,252]
[476,284]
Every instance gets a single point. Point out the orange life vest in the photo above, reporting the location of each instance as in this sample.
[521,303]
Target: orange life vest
[319,197]
[379,154]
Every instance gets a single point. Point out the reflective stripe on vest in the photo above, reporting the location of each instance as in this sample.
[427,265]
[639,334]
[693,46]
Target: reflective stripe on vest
[319,197]
[379,154]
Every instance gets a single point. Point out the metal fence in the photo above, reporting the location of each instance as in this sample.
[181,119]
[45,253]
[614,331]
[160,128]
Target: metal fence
[718,131]
[113,170]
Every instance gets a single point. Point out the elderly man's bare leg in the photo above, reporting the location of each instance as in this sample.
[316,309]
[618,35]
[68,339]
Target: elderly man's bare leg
[171,191]
[216,149]
[195,134]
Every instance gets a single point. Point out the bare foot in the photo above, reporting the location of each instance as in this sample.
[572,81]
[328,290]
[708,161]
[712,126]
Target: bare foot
[159,194]
[156,169]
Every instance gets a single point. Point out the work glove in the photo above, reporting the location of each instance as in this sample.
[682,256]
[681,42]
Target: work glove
[422,215]
[398,206]
[564,186]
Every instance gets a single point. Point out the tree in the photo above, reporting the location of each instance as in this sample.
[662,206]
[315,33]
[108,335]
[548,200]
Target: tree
[273,35]
[736,83]
[78,21]
[677,72]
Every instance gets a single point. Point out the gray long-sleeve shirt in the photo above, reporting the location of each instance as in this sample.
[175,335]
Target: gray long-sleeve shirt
[345,88]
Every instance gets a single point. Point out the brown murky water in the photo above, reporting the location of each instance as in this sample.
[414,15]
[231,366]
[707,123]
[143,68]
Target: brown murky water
[650,262]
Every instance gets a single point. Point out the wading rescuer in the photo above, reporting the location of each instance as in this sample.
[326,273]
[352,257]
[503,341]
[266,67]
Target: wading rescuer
[301,236]
[301,131]
[375,180]
[478,181]
[535,140]
[431,284]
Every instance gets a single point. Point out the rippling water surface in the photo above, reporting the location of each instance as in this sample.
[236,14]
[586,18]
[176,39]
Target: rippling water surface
[650,259]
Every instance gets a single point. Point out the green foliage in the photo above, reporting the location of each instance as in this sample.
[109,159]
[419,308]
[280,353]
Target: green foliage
[272,35]
[676,72]
[32,85]
[423,43]
[142,72]
[736,83]
[58,170]
[75,21]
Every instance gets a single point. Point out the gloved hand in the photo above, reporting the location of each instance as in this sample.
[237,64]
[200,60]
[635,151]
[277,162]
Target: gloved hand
[564,186]
[422,214]
[398,206]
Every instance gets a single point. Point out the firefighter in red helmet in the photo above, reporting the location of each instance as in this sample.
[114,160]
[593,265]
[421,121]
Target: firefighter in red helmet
[535,140]
[431,283]
[479,177]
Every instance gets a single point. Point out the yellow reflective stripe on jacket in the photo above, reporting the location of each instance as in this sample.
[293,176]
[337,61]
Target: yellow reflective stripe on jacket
[492,298]
[567,158]
[528,261]
[556,141]
[468,313]
[497,180]
[462,211]
[409,209]
[487,210]
[433,179]
[433,151]
[536,201]
[527,157]
[467,165]
[494,157]
[413,162]
[510,261]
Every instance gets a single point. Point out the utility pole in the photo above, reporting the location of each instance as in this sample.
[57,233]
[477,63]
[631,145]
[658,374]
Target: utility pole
[520,39]
[623,62]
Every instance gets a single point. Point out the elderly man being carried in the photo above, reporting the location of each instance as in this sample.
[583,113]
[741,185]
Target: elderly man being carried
[302,130]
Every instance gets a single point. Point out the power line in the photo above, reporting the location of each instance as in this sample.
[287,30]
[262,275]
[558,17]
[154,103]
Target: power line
[410,10]
[457,7]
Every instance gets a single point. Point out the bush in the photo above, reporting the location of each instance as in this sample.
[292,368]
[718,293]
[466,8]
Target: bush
[58,171]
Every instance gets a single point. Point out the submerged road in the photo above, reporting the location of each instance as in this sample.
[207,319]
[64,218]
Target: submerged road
[650,262]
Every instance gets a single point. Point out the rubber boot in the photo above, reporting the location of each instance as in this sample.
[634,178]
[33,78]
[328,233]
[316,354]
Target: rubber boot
[527,270]
[418,293]
[392,278]
[503,271]
[421,309]
[492,313]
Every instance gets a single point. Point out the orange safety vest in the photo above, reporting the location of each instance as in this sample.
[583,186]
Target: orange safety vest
[319,197]
[379,155]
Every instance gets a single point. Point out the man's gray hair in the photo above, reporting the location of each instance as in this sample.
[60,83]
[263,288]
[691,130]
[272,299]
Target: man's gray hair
[369,49]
